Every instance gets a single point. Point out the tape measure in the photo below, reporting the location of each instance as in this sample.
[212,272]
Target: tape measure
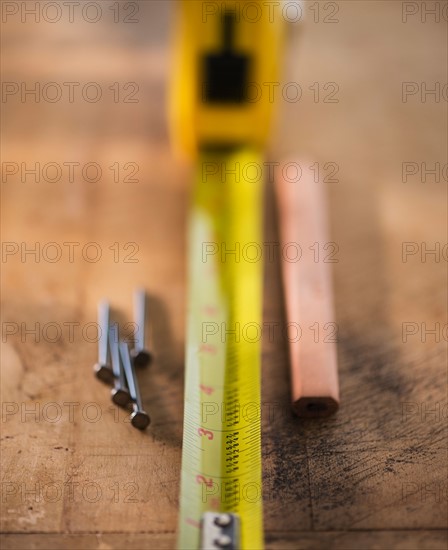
[221,54]
[221,461]
[226,64]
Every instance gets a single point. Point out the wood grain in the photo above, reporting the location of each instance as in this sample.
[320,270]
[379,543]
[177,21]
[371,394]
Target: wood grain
[78,476]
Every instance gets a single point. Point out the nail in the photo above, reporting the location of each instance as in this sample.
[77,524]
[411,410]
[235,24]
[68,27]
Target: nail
[140,356]
[139,418]
[102,369]
[120,392]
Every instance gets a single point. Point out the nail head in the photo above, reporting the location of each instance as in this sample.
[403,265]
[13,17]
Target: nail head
[141,358]
[103,373]
[120,397]
[140,420]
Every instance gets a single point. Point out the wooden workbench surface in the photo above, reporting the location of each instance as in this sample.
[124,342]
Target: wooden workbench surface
[74,472]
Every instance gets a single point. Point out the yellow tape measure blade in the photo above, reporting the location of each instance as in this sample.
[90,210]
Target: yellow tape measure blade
[221,461]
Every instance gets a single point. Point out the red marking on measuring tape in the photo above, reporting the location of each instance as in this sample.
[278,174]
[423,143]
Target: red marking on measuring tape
[193,522]
[207,433]
[210,310]
[214,503]
[207,348]
[202,479]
